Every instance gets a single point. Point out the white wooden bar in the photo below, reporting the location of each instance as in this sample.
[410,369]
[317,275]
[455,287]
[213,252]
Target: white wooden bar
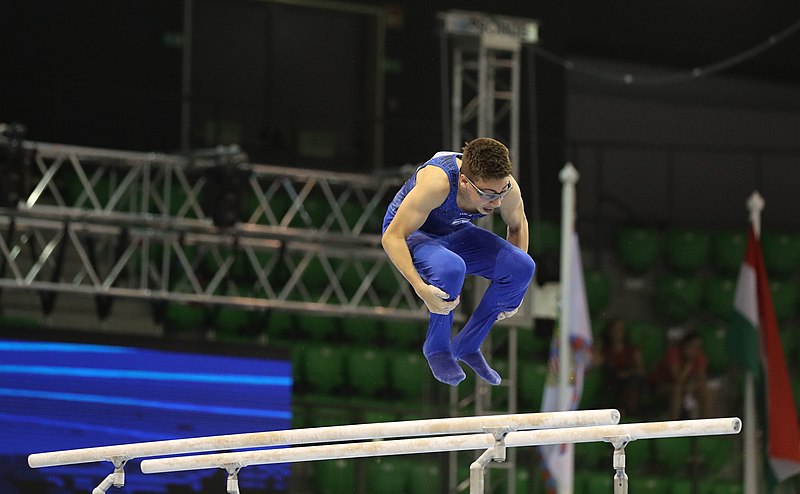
[626,432]
[431,427]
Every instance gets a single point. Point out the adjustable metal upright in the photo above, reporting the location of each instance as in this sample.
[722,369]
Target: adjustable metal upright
[483,87]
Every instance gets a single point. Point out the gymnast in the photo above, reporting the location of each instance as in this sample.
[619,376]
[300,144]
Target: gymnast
[429,236]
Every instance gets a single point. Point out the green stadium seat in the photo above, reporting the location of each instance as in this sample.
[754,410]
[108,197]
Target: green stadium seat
[598,290]
[681,486]
[425,477]
[599,482]
[544,237]
[185,317]
[688,250]
[719,294]
[650,337]
[728,488]
[404,334]
[638,454]
[650,485]
[367,371]
[706,487]
[639,249]
[362,330]
[373,413]
[530,346]
[280,325]
[714,453]
[679,297]
[318,327]
[330,414]
[386,475]
[784,298]
[532,376]
[231,322]
[522,480]
[727,251]
[592,389]
[595,455]
[715,348]
[324,368]
[409,374]
[672,453]
[335,476]
[781,253]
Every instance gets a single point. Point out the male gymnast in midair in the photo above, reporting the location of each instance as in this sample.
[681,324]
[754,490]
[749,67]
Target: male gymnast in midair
[429,236]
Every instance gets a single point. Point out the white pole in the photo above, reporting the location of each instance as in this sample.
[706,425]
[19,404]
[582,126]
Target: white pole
[569,176]
[429,427]
[755,204]
[608,433]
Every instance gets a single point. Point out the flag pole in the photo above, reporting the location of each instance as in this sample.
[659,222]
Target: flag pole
[568,176]
[755,204]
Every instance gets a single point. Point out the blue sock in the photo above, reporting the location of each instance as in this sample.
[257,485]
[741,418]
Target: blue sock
[481,368]
[445,368]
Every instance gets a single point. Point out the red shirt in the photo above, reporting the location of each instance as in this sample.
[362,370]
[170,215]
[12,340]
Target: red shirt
[673,358]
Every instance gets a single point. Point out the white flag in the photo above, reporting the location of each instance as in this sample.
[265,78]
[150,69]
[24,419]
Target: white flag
[558,461]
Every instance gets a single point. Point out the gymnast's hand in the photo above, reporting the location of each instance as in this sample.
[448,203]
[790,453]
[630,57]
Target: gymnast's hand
[506,315]
[436,299]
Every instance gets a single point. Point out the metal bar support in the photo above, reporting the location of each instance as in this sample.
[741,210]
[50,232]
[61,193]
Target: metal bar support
[495,453]
[620,477]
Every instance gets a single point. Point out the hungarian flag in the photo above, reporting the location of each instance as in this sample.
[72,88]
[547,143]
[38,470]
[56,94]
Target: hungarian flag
[755,342]
[558,461]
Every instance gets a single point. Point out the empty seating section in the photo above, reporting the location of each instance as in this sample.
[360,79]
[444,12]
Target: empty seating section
[727,251]
[679,296]
[688,250]
[719,294]
[781,253]
[639,249]
[598,290]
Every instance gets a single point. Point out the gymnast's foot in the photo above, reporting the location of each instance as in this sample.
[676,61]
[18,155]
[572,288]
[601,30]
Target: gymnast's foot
[481,368]
[445,368]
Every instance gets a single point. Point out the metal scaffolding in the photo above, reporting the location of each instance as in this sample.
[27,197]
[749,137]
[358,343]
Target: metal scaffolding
[484,88]
[144,225]
[485,76]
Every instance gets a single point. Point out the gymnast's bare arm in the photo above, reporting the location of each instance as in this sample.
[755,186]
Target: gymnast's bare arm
[512,210]
[431,190]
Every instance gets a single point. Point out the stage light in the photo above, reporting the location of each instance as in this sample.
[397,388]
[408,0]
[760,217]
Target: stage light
[15,162]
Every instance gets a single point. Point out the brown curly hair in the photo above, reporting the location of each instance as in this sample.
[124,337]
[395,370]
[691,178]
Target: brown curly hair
[486,158]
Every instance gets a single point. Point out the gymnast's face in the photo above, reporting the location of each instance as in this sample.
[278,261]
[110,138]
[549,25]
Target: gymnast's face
[486,195]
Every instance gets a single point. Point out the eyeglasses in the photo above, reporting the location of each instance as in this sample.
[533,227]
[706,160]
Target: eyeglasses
[490,196]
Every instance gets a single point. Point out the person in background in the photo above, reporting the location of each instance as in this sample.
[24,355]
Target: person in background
[429,236]
[681,375]
[622,366]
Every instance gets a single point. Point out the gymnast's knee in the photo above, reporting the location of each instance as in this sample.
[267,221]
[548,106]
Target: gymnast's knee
[515,266]
[451,276]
